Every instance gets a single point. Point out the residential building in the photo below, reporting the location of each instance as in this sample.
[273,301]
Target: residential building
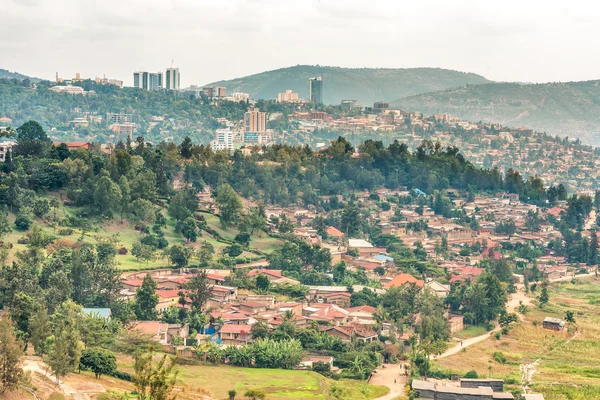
[221,92]
[554,324]
[240,96]
[255,121]
[107,81]
[287,96]
[118,118]
[235,335]
[172,79]
[6,147]
[223,140]
[315,90]
[72,146]
[126,128]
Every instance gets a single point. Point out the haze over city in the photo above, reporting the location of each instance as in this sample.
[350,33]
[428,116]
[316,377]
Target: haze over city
[533,41]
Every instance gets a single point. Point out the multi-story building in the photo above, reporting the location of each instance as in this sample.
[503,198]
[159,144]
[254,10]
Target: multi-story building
[221,92]
[315,90]
[108,81]
[148,80]
[5,147]
[118,118]
[223,140]
[126,128]
[240,96]
[255,121]
[172,79]
[287,96]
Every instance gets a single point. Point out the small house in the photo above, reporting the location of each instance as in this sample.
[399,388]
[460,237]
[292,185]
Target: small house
[555,324]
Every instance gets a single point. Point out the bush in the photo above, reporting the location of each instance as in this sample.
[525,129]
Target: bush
[126,376]
[499,357]
[498,335]
[122,251]
[65,231]
[23,222]
[505,330]
[472,374]
[490,326]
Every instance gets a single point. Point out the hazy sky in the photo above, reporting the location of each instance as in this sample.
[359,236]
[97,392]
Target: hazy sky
[209,40]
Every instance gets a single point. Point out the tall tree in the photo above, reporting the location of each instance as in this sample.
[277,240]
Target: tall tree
[154,380]
[11,354]
[66,351]
[39,329]
[229,204]
[107,196]
[199,290]
[146,300]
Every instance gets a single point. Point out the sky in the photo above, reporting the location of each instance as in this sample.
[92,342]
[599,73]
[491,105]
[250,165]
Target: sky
[210,40]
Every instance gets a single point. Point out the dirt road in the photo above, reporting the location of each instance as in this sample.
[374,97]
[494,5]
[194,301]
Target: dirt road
[386,376]
[515,300]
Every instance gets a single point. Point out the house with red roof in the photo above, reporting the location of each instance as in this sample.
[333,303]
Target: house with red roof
[74,145]
[235,335]
[403,279]
[330,313]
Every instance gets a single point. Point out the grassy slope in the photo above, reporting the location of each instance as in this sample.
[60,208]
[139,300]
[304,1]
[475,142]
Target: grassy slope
[127,236]
[363,84]
[558,108]
[565,371]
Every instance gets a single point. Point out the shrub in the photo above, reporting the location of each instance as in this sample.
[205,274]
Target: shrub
[23,222]
[505,330]
[126,376]
[65,231]
[498,335]
[499,357]
[122,251]
[472,374]
[490,326]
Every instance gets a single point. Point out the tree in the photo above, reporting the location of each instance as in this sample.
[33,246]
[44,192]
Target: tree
[200,290]
[259,330]
[254,394]
[41,207]
[21,310]
[107,196]
[532,221]
[189,229]
[154,380]
[351,220]
[23,221]
[125,195]
[142,252]
[570,317]
[179,255]
[229,204]
[185,148]
[4,224]
[544,298]
[32,140]
[234,250]
[262,282]
[142,211]
[205,254]
[66,350]
[39,329]
[99,361]
[11,355]
[231,393]
[146,300]
[183,204]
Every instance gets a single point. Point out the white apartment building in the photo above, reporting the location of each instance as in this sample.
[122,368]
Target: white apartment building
[223,140]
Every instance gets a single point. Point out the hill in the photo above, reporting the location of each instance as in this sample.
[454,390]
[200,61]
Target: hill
[363,84]
[6,74]
[566,109]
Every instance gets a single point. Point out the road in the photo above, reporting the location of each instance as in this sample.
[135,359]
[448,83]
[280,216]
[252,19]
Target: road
[42,368]
[392,376]
[515,300]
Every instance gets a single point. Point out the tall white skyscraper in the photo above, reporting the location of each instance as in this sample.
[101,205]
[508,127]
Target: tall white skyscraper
[172,79]
[148,80]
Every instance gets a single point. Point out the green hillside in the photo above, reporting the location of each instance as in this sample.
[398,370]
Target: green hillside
[363,84]
[6,74]
[570,109]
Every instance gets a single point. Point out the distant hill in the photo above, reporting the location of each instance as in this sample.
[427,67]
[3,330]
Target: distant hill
[566,109]
[363,84]
[6,74]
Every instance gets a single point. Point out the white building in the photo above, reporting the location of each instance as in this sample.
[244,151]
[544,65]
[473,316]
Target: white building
[68,89]
[172,79]
[240,96]
[148,80]
[5,147]
[223,140]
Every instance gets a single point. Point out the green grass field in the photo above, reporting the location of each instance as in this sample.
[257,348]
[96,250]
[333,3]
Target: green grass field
[470,332]
[565,371]
[278,384]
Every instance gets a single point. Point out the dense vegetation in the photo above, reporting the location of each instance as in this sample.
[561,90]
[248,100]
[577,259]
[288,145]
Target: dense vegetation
[363,84]
[559,108]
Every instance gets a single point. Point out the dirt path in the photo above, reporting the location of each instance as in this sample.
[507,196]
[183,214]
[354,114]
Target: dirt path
[528,370]
[42,368]
[516,299]
[391,376]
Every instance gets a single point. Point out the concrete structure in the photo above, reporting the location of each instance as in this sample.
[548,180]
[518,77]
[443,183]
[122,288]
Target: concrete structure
[68,89]
[255,121]
[6,147]
[315,90]
[172,79]
[439,391]
[240,96]
[118,118]
[287,96]
[223,140]
[148,80]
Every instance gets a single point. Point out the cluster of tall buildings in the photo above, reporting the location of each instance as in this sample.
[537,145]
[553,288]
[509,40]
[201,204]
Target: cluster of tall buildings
[253,131]
[155,81]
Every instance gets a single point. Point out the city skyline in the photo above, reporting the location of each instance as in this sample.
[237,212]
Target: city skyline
[511,41]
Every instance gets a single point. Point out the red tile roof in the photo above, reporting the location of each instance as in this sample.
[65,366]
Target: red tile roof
[402,279]
[272,272]
[333,231]
[231,328]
